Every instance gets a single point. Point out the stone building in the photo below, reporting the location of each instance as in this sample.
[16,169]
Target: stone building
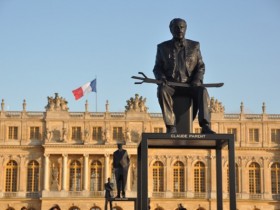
[62,157]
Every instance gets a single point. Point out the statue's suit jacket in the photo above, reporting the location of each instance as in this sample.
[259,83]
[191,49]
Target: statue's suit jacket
[166,61]
[121,159]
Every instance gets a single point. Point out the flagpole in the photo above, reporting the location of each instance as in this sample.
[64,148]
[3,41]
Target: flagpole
[96,94]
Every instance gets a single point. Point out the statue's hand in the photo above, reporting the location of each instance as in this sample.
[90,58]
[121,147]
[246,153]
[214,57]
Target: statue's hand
[196,83]
[164,80]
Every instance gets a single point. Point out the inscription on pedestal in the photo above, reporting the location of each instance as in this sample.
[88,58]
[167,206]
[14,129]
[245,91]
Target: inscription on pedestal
[188,136]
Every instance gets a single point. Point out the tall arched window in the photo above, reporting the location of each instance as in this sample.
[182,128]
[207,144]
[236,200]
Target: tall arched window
[254,178]
[96,176]
[33,176]
[75,176]
[275,178]
[178,177]
[158,177]
[199,177]
[11,176]
[236,179]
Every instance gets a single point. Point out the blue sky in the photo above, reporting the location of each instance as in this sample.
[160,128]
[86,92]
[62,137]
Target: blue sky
[52,46]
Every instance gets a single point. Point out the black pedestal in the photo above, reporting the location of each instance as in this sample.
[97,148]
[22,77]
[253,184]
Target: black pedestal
[182,107]
[125,200]
[186,141]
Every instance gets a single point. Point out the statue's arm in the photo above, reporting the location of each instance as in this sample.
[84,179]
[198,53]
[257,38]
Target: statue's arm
[158,65]
[200,66]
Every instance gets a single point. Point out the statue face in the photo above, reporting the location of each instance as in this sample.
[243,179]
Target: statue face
[178,29]
[120,146]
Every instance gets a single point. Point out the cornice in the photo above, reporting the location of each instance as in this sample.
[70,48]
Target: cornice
[86,146]
[257,149]
[21,146]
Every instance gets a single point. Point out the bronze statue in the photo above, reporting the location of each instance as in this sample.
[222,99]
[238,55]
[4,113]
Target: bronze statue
[108,189]
[179,60]
[121,164]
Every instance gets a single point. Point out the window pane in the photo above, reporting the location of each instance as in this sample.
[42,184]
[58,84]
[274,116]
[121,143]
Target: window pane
[75,176]
[97,133]
[33,177]
[254,178]
[178,177]
[275,178]
[76,133]
[96,176]
[11,176]
[158,177]
[117,133]
[13,132]
[158,130]
[232,131]
[34,133]
[199,177]
[275,135]
[254,135]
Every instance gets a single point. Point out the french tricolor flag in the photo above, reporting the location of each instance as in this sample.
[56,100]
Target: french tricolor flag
[86,88]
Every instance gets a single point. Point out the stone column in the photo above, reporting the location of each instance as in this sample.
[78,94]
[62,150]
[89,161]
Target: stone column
[190,189]
[64,172]
[208,180]
[128,182]
[262,178]
[23,174]
[267,179]
[186,175]
[168,175]
[86,172]
[244,179]
[47,173]
[2,168]
[107,164]
[211,179]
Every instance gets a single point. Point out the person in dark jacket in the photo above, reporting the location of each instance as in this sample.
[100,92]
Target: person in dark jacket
[179,60]
[108,193]
[121,164]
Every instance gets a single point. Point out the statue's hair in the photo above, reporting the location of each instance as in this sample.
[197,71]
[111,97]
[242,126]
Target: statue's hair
[176,20]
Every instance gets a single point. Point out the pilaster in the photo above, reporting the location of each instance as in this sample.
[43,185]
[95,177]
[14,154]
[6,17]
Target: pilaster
[86,171]
[64,172]
[46,174]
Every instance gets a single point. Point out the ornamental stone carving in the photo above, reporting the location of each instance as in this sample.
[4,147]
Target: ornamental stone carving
[48,135]
[216,106]
[127,135]
[2,105]
[137,104]
[56,104]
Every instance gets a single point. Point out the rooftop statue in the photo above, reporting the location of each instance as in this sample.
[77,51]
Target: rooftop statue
[57,103]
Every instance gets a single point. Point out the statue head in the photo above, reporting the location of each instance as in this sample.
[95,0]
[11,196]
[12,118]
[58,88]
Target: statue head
[178,28]
[120,145]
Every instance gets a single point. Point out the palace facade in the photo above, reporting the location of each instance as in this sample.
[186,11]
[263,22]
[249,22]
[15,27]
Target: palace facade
[62,157]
